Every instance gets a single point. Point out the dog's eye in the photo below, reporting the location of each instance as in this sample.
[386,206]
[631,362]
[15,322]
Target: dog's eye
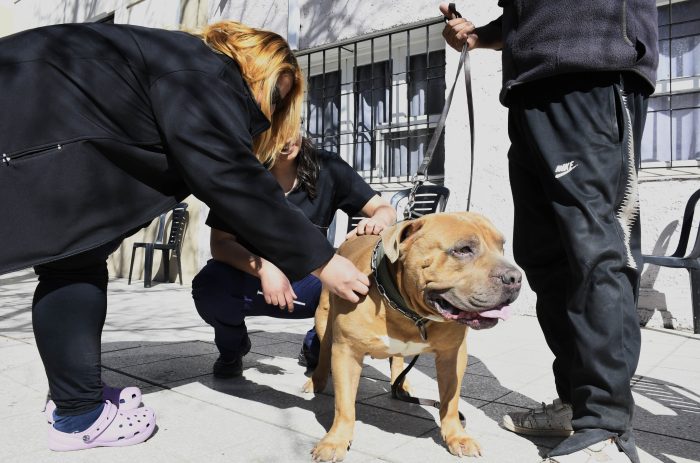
[463,251]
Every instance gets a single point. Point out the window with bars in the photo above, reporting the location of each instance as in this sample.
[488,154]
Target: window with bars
[375,101]
[673,119]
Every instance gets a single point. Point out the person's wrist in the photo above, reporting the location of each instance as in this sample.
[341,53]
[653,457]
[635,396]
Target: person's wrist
[264,269]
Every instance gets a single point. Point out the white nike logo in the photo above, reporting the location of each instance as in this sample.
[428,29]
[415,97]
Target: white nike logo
[563,169]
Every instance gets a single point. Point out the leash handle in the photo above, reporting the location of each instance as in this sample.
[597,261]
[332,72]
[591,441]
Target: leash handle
[452,9]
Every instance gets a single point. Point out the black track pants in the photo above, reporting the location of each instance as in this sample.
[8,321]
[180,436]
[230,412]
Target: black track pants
[577,236]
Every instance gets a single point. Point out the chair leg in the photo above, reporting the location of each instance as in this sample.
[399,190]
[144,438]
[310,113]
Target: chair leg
[695,298]
[166,265]
[131,267]
[148,266]
[179,267]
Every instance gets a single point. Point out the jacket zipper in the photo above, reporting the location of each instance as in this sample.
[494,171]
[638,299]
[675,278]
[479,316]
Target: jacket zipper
[8,158]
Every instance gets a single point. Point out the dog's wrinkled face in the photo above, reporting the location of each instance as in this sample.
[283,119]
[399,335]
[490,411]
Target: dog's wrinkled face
[451,266]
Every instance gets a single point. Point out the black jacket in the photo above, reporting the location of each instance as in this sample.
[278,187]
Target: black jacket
[544,38]
[103,127]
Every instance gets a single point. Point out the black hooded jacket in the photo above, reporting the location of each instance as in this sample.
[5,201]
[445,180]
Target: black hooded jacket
[103,127]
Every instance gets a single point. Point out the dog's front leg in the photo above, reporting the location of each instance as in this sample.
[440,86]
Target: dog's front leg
[347,367]
[451,365]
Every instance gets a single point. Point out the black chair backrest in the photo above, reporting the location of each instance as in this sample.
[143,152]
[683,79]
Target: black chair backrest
[160,233]
[429,199]
[177,225]
[685,230]
[354,220]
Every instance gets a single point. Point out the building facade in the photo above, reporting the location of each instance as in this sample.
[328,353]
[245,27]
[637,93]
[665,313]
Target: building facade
[377,75]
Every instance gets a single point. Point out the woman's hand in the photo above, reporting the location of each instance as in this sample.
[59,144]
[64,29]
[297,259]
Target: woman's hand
[367,226]
[342,278]
[276,288]
[380,215]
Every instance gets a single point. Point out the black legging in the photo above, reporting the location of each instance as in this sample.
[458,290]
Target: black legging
[68,313]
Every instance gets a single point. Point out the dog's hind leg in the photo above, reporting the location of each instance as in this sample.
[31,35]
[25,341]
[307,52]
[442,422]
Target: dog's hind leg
[324,329]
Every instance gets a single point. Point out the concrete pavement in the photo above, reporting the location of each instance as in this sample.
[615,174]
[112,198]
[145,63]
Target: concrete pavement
[154,338]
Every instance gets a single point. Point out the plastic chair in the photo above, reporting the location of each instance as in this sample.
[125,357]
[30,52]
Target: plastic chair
[177,232]
[690,261]
[429,199]
[354,220]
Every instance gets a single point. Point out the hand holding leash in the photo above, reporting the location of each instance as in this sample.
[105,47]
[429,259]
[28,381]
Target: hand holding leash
[458,31]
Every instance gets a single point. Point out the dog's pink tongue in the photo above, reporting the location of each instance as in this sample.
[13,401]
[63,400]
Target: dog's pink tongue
[503,313]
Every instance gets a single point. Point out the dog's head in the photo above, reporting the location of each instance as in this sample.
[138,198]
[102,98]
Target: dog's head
[451,267]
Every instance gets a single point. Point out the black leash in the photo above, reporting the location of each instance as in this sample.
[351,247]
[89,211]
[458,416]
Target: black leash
[397,391]
[421,174]
[400,394]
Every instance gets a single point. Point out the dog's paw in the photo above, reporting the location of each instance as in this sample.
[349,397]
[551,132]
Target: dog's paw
[463,445]
[313,386]
[330,449]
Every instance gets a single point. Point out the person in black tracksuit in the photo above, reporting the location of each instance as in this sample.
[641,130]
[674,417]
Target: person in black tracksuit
[576,78]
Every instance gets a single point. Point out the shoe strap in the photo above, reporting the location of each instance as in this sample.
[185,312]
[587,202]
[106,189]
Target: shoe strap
[109,413]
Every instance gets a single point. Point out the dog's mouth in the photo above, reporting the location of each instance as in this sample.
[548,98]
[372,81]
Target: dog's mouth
[476,319]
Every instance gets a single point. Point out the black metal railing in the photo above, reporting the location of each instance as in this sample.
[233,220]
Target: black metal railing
[375,100]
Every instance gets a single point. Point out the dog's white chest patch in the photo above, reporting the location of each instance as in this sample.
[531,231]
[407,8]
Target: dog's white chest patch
[396,347]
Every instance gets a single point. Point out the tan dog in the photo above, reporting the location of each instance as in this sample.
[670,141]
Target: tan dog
[450,270]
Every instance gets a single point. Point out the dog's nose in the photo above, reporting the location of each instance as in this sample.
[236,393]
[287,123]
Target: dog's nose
[512,277]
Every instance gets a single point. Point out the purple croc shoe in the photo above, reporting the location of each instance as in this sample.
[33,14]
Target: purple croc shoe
[114,428]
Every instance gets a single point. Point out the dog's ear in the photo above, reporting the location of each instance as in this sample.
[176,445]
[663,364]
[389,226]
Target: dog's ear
[393,237]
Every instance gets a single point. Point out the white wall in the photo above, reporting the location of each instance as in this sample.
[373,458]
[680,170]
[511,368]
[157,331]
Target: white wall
[25,14]
[265,14]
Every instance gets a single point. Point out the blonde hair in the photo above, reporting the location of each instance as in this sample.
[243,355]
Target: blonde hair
[263,57]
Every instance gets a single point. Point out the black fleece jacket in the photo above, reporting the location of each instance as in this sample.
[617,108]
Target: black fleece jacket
[544,38]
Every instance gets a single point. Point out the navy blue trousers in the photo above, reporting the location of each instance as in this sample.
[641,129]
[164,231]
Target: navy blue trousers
[224,296]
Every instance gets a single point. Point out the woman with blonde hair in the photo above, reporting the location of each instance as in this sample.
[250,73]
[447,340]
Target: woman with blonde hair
[107,126]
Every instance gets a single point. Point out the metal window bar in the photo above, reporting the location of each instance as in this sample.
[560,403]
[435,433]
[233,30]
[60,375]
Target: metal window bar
[670,80]
[409,78]
[396,129]
[675,24]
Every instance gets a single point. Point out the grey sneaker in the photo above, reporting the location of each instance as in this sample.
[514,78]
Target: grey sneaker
[551,420]
[605,451]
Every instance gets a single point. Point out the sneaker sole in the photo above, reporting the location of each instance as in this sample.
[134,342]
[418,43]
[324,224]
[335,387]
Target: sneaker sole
[510,426]
[227,375]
